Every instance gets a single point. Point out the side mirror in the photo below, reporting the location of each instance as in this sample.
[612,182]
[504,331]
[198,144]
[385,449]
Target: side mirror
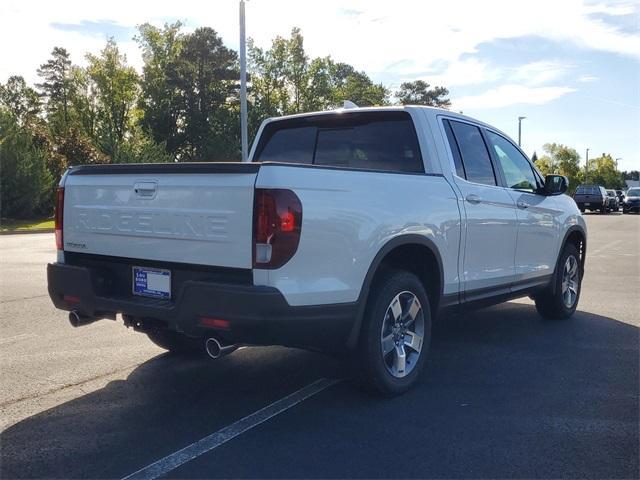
[555,184]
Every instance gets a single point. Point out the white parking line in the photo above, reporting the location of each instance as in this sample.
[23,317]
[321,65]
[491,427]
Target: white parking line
[208,443]
[22,336]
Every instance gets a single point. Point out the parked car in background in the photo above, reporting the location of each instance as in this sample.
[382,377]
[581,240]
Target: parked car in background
[632,201]
[620,195]
[614,203]
[592,197]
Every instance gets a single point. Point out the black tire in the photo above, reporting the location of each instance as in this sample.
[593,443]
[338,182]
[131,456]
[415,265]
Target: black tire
[603,209]
[550,303]
[374,366]
[582,210]
[175,342]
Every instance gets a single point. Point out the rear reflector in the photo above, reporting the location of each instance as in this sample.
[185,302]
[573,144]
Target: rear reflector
[71,299]
[59,217]
[214,323]
[277,224]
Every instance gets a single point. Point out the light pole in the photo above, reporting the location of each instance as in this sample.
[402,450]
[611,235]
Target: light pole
[586,167]
[619,158]
[520,130]
[243,86]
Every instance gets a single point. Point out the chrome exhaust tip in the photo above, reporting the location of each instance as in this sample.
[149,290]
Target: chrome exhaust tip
[76,319]
[215,349]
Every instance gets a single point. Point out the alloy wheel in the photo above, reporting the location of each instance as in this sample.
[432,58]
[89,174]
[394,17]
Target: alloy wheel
[402,334]
[570,281]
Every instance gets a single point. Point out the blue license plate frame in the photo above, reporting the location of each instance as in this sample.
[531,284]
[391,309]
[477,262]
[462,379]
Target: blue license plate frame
[151,282]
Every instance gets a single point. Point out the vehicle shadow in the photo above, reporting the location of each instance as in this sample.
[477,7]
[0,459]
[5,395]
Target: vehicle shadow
[505,394]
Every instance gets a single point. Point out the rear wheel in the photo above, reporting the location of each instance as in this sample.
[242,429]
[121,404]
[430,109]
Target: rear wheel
[174,342]
[396,333]
[561,302]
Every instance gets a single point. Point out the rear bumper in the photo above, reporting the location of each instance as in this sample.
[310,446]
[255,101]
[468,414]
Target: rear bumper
[256,314]
[592,205]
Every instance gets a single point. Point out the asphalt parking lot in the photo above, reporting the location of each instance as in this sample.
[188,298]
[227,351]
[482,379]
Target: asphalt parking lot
[505,394]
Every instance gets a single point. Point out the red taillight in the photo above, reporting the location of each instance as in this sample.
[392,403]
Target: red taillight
[59,217]
[214,323]
[277,222]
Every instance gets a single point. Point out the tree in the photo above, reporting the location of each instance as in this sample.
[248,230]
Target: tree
[420,92]
[159,99]
[561,160]
[534,157]
[57,89]
[632,175]
[20,100]
[116,89]
[205,78]
[357,87]
[25,183]
[602,171]
[284,80]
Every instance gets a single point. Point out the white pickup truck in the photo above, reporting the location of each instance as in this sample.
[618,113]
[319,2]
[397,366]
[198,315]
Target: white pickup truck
[347,231]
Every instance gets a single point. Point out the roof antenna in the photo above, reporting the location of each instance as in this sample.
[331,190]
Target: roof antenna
[349,104]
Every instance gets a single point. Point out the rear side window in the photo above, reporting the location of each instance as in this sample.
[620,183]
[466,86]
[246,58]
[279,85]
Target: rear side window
[473,152]
[362,140]
[290,145]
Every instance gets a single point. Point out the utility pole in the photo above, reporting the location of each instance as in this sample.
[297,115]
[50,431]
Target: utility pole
[243,86]
[586,168]
[520,130]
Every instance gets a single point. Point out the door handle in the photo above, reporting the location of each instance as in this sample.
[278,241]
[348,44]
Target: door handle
[145,189]
[473,198]
[522,204]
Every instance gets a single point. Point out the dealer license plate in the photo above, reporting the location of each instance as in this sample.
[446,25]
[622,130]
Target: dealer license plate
[152,282]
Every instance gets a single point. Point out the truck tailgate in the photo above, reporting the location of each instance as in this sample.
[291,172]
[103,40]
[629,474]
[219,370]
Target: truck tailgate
[190,215]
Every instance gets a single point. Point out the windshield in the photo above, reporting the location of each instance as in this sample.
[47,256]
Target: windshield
[633,192]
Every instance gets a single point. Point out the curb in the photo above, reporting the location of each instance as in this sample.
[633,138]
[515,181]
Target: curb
[24,232]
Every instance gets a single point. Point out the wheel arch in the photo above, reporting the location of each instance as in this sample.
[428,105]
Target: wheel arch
[400,252]
[577,236]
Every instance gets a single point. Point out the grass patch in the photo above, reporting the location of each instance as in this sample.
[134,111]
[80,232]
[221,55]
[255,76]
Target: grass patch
[7,225]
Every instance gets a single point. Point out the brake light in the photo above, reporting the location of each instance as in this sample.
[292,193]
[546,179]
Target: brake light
[277,223]
[59,217]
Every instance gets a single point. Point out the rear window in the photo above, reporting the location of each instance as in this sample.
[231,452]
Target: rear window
[363,140]
[588,190]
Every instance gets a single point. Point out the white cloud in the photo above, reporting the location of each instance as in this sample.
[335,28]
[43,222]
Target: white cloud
[587,78]
[505,95]
[371,35]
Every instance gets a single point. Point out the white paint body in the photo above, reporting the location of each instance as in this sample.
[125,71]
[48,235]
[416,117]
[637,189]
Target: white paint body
[348,217]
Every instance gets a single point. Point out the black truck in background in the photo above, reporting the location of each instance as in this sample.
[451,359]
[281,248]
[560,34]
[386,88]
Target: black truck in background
[592,198]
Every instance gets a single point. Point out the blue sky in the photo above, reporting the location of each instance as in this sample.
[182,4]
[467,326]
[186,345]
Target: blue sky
[572,67]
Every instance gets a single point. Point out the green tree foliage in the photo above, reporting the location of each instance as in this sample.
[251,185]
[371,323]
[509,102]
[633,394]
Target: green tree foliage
[25,182]
[602,171]
[284,80]
[116,92]
[21,101]
[57,89]
[206,79]
[159,101]
[631,175]
[561,160]
[420,92]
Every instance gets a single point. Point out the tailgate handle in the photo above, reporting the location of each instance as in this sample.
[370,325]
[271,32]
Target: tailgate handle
[145,189]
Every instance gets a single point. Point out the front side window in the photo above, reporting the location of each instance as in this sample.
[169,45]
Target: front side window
[517,169]
[364,140]
[473,152]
